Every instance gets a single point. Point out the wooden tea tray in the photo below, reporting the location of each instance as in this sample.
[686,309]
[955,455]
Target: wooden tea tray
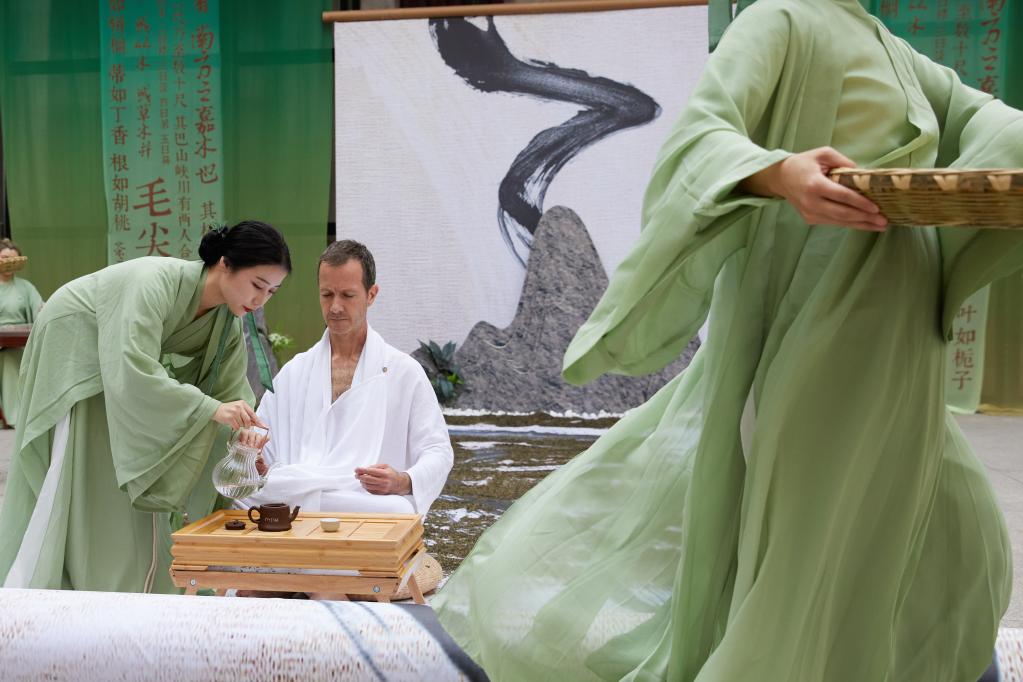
[367,543]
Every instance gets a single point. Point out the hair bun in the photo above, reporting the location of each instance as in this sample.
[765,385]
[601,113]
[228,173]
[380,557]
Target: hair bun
[212,246]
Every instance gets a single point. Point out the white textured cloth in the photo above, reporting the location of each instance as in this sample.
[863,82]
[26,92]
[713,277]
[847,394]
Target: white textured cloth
[105,636]
[389,415]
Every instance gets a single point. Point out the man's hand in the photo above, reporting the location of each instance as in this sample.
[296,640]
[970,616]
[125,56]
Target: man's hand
[382,479]
[802,180]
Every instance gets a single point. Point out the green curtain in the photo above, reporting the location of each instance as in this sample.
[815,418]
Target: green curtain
[278,115]
[278,85]
[53,153]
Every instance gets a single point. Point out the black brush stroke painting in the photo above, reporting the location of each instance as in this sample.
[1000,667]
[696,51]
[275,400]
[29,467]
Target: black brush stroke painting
[482,59]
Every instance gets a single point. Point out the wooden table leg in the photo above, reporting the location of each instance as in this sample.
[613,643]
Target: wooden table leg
[413,587]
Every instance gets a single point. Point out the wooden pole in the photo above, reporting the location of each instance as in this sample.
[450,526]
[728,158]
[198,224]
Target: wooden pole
[496,10]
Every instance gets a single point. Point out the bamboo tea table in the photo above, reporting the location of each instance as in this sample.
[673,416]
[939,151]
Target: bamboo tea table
[373,554]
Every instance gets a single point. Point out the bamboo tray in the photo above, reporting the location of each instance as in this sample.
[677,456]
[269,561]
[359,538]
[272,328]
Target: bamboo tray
[941,196]
[367,543]
[13,264]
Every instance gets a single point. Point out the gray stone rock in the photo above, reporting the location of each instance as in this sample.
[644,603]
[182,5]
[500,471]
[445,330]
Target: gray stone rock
[519,368]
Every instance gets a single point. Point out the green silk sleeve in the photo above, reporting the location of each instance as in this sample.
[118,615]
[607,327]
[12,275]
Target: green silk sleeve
[977,131]
[660,294]
[155,422]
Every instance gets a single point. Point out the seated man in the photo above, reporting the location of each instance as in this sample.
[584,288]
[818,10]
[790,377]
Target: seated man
[354,423]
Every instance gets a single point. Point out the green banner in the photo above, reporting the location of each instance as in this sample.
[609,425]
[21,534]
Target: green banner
[971,37]
[162,133]
[964,371]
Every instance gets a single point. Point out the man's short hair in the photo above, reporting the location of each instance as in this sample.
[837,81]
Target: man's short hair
[344,250]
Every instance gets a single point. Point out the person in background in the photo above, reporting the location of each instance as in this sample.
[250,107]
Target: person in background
[132,376]
[19,304]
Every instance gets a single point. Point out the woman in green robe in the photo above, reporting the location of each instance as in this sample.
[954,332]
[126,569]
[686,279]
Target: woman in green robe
[132,376]
[19,304]
[796,506]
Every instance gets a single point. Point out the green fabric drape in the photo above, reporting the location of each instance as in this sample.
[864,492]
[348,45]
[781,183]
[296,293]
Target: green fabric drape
[278,117]
[53,152]
[1003,350]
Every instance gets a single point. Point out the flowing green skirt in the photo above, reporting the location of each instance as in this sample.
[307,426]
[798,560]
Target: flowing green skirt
[797,506]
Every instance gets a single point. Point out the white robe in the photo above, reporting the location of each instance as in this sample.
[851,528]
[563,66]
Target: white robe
[389,415]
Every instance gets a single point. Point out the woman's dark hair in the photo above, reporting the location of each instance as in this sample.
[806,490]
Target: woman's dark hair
[245,245]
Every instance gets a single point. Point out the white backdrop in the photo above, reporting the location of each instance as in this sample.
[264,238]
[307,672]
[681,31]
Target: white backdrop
[420,155]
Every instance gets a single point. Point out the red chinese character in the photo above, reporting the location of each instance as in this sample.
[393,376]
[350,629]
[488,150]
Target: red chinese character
[117,45]
[184,203]
[964,358]
[202,39]
[142,64]
[208,173]
[968,312]
[116,73]
[116,24]
[118,94]
[119,184]
[918,4]
[965,336]
[989,84]
[962,376]
[995,7]
[119,162]
[122,223]
[116,5]
[209,211]
[120,203]
[119,251]
[201,6]
[916,27]
[141,25]
[154,247]
[120,134]
[150,201]
[186,252]
[890,8]
[204,148]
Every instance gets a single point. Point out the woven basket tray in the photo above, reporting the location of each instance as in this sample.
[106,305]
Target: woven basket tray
[940,196]
[13,264]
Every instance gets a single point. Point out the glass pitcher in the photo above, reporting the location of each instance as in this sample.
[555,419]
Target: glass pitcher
[236,476]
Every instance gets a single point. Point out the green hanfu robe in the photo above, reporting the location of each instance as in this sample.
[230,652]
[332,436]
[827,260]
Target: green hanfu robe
[118,369]
[797,505]
[19,304]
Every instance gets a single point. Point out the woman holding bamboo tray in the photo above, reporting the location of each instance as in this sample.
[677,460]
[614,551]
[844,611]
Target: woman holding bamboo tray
[797,505]
[132,376]
[19,304]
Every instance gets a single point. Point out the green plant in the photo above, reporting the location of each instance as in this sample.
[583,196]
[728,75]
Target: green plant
[445,375]
[278,344]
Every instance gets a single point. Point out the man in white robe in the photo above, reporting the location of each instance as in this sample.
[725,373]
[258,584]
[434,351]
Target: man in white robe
[354,423]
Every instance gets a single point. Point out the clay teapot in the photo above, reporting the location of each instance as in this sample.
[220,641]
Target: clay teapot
[273,516]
